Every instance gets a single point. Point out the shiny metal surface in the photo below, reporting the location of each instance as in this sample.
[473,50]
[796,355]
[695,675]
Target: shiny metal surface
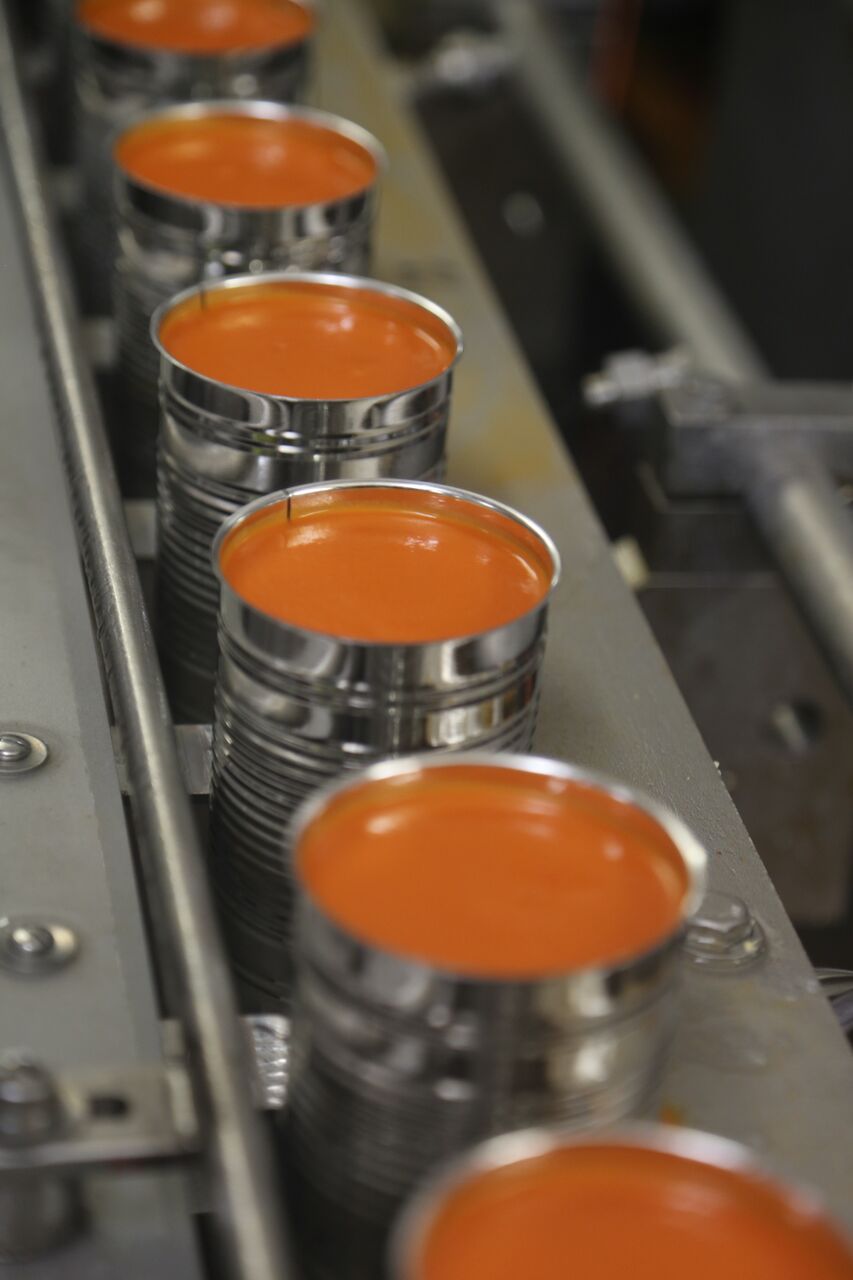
[758,1057]
[237,1157]
[221,446]
[413,1227]
[407,1063]
[296,708]
[167,244]
[113,83]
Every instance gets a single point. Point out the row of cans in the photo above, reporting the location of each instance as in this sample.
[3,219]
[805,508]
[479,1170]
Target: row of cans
[386,666]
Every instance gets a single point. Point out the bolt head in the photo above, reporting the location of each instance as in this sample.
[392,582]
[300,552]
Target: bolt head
[30,940]
[32,947]
[724,934]
[14,748]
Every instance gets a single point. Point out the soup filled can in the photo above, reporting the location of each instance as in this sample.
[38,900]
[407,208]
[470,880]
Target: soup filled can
[482,943]
[541,1203]
[357,620]
[222,189]
[131,55]
[266,384]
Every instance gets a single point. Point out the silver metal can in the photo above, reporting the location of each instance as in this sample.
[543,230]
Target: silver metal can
[114,82]
[397,1064]
[221,446]
[295,709]
[170,242]
[708,1174]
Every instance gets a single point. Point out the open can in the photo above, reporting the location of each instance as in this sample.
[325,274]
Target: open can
[129,57]
[482,943]
[222,445]
[542,1202]
[299,704]
[270,188]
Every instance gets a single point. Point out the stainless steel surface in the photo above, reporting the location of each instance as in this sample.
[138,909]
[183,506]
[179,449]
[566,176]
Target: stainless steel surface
[408,1062]
[114,82]
[221,446]
[239,1162]
[34,946]
[296,708]
[413,1227]
[103,1120]
[167,243]
[758,1056]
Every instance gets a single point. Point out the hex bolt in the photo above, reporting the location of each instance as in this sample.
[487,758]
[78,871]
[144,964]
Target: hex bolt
[20,752]
[38,1211]
[34,947]
[724,936]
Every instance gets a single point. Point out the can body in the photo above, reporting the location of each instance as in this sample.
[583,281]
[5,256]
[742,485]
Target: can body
[115,83]
[296,709]
[395,1065]
[167,244]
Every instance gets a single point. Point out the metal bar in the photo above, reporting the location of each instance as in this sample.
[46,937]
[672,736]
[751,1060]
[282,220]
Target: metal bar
[661,268]
[247,1210]
[791,498]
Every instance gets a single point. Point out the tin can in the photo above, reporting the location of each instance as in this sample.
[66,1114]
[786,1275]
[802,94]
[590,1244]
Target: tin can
[115,81]
[170,242]
[401,1063]
[712,1182]
[296,708]
[221,446]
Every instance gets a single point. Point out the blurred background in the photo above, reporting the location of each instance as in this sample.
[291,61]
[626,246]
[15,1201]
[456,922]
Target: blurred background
[743,114]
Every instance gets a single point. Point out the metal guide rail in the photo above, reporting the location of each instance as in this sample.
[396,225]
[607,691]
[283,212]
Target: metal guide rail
[759,1055]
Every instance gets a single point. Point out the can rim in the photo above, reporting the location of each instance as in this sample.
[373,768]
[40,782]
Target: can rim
[344,280]
[690,849]
[256,108]
[421,486]
[243,53]
[419,1214]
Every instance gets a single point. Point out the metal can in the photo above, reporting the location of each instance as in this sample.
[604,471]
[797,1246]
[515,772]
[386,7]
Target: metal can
[220,446]
[168,242]
[407,1061]
[115,79]
[675,1198]
[295,708]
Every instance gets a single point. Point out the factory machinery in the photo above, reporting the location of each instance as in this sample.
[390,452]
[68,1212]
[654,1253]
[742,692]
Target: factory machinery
[138,1139]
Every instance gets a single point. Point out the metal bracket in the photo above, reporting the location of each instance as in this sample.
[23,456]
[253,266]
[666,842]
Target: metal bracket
[195,745]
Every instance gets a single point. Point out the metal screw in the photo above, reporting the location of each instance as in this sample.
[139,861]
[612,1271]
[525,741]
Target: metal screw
[36,1213]
[33,947]
[724,935]
[20,752]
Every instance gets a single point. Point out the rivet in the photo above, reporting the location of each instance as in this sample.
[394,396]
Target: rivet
[33,947]
[20,752]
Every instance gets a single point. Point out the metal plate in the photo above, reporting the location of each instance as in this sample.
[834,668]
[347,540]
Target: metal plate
[759,1056]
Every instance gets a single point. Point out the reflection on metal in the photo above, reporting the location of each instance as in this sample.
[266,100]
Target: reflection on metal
[32,946]
[20,753]
[724,936]
[248,1218]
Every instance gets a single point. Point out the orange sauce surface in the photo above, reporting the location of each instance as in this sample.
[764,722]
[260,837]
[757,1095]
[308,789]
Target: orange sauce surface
[197,26]
[492,871]
[310,341]
[244,160]
[599,1214]
[388,566]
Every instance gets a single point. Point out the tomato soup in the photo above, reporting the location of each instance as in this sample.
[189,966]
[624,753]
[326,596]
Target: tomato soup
[197,26]
[309,340]
[494,871]
[385,565]
[247,161]
[609,1212]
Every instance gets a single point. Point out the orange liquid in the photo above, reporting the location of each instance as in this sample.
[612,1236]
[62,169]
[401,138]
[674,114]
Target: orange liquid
[310,341]
[599,1214]
[386,566]
[493,872]
[197,26]
[246,161]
